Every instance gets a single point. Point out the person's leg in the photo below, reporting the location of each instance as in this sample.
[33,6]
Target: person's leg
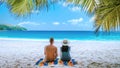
[39,61]
[56,61]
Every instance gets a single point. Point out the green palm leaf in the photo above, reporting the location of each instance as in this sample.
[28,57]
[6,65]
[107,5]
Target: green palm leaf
[41,3]
[106,12]
[25,7]
[44,3]
[20,7]
[88,5]
[108,16]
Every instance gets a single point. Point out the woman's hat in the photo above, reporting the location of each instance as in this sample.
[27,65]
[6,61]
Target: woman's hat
[65,43]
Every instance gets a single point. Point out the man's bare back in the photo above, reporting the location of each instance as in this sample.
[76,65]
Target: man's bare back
[50,51]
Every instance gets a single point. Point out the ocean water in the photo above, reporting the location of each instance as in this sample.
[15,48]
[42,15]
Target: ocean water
[70,35]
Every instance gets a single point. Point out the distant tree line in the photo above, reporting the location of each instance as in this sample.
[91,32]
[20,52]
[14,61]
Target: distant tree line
[11,27]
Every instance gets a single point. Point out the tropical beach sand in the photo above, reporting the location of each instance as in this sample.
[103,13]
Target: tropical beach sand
[88,54]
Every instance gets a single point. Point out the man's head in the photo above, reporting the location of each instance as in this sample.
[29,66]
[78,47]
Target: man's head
[51,40]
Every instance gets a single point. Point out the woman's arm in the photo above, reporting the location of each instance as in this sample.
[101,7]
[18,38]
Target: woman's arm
[60,52]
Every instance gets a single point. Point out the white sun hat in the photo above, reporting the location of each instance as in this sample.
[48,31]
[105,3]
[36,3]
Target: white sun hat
[65,43]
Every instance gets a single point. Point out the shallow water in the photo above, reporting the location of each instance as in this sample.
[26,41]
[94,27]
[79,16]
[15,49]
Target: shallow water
[70,35]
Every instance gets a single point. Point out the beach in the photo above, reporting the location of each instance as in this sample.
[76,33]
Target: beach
[19,53]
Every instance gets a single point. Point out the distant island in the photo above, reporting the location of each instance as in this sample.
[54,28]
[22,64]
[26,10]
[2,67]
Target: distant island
[11,27]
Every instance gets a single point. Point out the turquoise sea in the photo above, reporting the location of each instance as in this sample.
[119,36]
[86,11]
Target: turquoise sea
[71,35]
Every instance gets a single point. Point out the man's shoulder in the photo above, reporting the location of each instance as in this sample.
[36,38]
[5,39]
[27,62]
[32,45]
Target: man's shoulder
[54,46]
[47,46]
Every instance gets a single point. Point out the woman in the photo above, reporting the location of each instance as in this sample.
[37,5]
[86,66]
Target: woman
[65,51]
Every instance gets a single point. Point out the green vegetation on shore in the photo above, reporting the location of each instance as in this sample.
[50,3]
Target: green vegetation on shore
[11,27]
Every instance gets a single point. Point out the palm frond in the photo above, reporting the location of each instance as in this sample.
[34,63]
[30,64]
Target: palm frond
[88,5]
[25,7]
[106,12]
[41,3]
[20,7]
[44,3]
[108,16]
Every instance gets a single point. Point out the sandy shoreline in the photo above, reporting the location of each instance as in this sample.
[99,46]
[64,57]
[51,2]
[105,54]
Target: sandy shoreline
[89,54]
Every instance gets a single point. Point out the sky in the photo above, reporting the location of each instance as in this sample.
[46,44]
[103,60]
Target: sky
[59,17]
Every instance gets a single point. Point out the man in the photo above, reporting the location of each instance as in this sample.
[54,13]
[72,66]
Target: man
[50,51]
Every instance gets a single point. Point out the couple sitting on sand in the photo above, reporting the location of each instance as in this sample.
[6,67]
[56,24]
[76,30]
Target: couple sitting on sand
[51,51]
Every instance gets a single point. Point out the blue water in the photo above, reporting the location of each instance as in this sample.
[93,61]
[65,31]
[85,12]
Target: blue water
[72,35]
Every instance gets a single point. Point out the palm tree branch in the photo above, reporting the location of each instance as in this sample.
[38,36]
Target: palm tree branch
[107,21]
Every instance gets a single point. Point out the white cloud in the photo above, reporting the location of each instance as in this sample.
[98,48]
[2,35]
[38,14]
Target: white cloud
[76,8]
[28,23]
[75,21]
[65,4]
[92,19]
[35,11]
[56,23]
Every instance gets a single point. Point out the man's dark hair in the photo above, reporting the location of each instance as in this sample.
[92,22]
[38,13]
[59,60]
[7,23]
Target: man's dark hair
[51,40]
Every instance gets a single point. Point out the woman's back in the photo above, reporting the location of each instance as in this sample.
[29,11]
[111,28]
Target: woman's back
[65,53]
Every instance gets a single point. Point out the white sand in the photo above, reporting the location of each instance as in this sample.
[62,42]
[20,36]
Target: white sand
[89,54]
